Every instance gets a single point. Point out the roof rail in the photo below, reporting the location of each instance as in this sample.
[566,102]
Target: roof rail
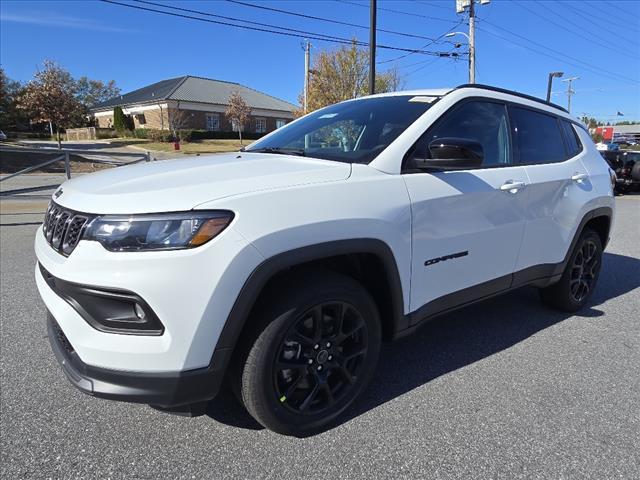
[511,92]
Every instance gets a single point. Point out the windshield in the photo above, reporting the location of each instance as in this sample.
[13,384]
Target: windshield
[353,132]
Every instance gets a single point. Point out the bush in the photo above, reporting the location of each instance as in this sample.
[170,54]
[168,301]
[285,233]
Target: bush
[140,133]
[157,135]
[104,133]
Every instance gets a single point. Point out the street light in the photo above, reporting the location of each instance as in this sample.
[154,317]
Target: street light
[552,75]
[452,34]
[472,55]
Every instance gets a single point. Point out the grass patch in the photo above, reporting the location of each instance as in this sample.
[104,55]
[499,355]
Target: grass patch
[202,146]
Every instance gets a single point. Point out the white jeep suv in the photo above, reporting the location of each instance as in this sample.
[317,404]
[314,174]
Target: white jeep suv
[284,266]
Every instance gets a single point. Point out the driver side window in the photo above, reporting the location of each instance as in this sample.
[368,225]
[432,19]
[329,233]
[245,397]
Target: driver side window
[479,121]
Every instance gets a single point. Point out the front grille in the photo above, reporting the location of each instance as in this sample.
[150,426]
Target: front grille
[63,228]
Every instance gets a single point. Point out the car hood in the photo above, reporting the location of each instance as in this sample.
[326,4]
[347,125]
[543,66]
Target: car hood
[182,184]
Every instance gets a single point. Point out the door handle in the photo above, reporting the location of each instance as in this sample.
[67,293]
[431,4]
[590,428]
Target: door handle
[511,186]
[579,177]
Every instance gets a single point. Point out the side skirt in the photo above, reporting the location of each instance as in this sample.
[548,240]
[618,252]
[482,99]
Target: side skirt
[539,276]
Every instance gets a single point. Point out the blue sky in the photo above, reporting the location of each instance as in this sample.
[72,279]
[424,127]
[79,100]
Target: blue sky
[518,43]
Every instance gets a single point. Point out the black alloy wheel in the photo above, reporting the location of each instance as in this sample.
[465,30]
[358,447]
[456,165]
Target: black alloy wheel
[314,349]
[586,264]
[580,276]
[320,358]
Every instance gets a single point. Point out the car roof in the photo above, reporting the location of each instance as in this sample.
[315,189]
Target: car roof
[441,92]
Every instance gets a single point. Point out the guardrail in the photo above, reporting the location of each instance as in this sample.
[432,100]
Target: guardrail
[65,155]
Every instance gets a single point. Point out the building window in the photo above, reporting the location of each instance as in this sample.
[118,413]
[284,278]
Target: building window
[213,122]
[141,119]
[280,123]
[261,125]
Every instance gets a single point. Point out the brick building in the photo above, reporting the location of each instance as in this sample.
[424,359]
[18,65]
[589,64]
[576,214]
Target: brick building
[202,103]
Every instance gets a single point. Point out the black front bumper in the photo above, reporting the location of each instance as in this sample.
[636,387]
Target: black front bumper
[168,391]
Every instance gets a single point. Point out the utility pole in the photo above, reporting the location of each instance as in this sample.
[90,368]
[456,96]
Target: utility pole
[570,90]
[472,42]
[307,61]
[461,6]
[372,47]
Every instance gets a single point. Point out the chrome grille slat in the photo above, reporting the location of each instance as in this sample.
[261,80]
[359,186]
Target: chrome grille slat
[63,228]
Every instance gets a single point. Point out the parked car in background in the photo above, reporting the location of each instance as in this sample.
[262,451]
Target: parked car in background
[601,146]
[629,176]
[626,165]
[3,136]
[624,140]
[281,268]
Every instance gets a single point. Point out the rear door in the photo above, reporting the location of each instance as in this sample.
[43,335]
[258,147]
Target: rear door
[467,225]
[559,186]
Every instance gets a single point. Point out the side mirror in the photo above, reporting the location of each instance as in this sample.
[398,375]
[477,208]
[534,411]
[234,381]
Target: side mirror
[452,153]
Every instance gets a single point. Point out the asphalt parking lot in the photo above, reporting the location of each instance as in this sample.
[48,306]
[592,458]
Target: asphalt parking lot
[502,389]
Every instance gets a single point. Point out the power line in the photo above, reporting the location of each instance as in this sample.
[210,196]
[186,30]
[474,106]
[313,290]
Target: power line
[399,12]
[302,34]
[589,19]
[424,46]
[324,19]
[547,49]
[611,4]
[234,19]
[432,4]
[563,27]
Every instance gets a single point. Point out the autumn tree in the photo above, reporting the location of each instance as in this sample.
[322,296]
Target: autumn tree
[238,112]
[342,74]
[51,97]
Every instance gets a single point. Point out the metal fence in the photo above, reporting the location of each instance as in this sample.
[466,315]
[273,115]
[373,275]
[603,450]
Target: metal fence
[65,155]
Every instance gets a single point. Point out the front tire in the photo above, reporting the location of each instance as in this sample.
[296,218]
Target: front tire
[315,355]
[580,276]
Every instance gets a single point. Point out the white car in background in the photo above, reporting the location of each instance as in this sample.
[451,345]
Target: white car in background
[284,266]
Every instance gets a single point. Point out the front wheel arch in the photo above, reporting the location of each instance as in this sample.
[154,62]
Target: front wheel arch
[335,255]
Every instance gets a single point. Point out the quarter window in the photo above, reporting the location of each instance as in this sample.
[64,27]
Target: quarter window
[213,122]
[574,146]
[484,122]
[538,137]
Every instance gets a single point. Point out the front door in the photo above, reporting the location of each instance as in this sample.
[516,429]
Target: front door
[467,226]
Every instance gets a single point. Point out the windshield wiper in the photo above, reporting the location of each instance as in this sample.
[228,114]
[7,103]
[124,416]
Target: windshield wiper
[287,151]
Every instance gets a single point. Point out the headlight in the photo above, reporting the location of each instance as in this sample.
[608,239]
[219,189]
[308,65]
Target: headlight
[158,231]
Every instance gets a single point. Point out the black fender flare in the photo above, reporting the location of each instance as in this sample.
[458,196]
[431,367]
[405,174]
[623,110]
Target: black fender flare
[258,279]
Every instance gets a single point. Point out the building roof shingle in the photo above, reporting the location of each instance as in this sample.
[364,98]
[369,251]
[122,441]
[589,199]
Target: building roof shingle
[196,89]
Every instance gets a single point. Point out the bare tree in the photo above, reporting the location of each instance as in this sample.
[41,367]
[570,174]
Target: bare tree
[178,121]
[51,96]
[238,112]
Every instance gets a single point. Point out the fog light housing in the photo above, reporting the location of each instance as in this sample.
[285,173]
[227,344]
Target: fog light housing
[107,310]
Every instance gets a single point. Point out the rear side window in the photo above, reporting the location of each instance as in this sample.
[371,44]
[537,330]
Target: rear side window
[574,146]
[537,136]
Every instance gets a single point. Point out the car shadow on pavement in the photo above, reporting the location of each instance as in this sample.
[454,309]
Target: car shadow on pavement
[459,339]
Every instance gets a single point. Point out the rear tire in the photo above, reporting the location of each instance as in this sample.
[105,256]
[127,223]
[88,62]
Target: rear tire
[580,276]
[316,351]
